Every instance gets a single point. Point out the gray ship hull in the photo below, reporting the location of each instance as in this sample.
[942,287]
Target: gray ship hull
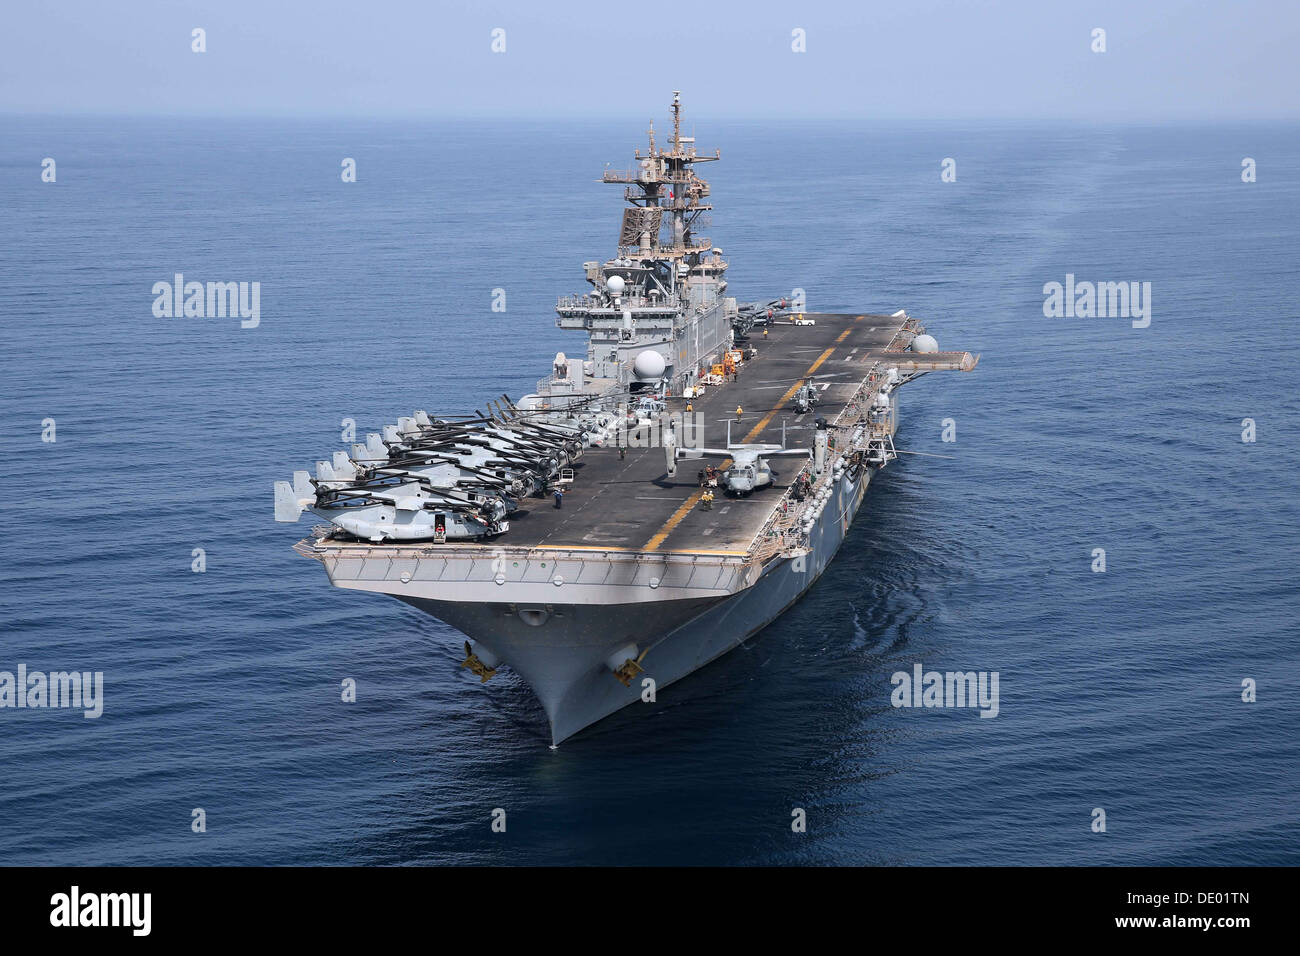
[563,659]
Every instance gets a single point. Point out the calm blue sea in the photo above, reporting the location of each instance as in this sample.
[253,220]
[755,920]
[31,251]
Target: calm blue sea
[1118,690]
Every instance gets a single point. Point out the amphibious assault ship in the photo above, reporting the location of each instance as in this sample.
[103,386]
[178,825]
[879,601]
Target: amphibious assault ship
[653,503]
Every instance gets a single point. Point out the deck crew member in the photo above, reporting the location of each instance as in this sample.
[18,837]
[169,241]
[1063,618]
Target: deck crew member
[559,496]
[739,411]
[706,500]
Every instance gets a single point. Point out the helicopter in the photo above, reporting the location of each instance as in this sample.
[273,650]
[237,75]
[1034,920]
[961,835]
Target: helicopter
[749,469]
[806,397]
[439,479]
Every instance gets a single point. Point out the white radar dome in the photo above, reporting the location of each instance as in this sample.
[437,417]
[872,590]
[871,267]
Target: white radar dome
[615,285]
[649,365]
[925,343]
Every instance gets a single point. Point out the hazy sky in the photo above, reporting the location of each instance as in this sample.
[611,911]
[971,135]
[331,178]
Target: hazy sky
[923,59]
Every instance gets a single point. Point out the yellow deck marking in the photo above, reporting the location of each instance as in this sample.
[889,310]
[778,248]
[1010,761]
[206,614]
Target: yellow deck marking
[576,547]
[682,511]
[686,506]
[700,551]
[767,419]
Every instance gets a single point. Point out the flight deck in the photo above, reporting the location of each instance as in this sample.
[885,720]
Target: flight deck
[628,503]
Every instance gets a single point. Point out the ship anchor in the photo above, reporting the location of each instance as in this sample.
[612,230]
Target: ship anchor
[630,668]
[476,666]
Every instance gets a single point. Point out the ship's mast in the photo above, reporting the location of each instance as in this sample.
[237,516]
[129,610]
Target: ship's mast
[664,182]
[681,231]
[663,290]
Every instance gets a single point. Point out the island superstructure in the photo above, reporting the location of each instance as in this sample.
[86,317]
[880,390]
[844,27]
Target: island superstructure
[709,457]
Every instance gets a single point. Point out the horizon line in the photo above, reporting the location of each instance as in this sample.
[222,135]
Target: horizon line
[411,115]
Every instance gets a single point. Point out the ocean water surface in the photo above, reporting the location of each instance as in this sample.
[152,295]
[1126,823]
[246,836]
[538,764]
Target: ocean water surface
[1119,690]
